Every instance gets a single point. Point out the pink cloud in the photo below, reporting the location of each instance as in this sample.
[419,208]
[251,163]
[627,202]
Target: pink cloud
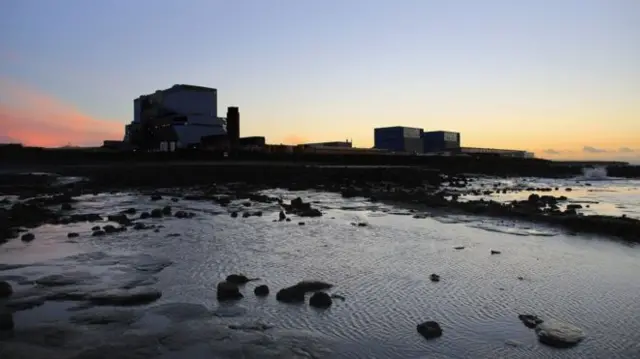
[39,119]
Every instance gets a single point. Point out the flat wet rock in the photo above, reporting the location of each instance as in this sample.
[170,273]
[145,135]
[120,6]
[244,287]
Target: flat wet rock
[124,297]
[559,334]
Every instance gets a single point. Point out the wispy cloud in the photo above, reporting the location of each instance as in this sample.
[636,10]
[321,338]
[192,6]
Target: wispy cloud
[35,118]
[590,149]
[551,151]
[626,150]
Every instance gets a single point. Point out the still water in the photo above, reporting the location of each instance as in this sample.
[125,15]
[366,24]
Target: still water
[382,269]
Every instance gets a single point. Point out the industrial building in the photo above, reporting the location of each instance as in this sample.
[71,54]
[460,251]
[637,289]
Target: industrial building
[435,141]
[417,141]
[177,117]
[399,139]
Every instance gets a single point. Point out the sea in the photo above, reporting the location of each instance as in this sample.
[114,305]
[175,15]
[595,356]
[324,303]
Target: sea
[378,256]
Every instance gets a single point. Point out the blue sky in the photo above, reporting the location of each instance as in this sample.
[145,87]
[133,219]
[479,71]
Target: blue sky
[541,75]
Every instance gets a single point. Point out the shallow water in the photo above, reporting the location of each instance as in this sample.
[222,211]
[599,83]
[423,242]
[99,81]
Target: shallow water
[382,269]
[597,195]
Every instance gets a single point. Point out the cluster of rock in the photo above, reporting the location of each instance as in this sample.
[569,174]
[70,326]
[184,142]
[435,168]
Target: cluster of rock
[230,290]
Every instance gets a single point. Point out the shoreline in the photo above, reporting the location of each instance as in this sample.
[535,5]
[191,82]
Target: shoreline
[410,185]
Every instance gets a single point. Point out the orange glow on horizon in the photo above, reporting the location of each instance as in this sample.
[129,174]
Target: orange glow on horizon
[34,118]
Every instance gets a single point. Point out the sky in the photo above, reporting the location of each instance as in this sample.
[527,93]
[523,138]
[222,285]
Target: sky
[557,77]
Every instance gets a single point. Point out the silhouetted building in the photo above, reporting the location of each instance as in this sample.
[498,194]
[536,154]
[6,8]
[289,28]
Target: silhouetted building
[437,141]
[398,139]
[233,126]
[189,111]
[255,141]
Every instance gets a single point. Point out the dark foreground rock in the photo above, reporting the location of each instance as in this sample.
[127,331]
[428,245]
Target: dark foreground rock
[320,300]
[5,289]
[429,330]
[6,321]
[261,291]
[559,334]
[239,279]
[296,293]
[126,297]
[228,291]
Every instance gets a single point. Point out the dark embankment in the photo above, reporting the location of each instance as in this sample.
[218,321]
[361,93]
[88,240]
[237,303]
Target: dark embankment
[488,165]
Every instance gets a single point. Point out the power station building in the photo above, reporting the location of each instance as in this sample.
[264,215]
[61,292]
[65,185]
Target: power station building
[177,117]
[416,141]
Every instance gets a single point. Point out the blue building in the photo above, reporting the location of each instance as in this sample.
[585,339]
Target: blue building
[398,139]
[436,141]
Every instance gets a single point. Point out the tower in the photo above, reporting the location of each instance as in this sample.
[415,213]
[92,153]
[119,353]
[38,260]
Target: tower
[233,126]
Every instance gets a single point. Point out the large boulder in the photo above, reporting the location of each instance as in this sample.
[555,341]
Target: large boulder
[559,334]
[261,291]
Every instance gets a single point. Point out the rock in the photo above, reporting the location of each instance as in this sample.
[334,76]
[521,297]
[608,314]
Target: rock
[239,279]
[513,343]
[251,326]
[234,214]
[296,293]
[183,214]
[124,297]
[320,300]
[290,295]
[282,216]
[129,211]
[175,199]
[301,223]
[98,233]
[429,329]
[530,321]
[156,197]
[574,206]
[67,278]
[228,291]
[166,210]
[66,207]
[109,229]
[261,291]
[6,321]
[246,215]
[338,296]
[558,334]
[72,235]
[5,289]
[156,213]
[288,219]
[95,228]
[495,252]
[28,237]
[520,278]
[145,215]
[121,219]
[139,226]
[458,247]
[434,277]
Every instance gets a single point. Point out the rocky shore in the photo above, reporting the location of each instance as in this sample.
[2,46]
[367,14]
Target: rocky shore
[44,199]
[30,200]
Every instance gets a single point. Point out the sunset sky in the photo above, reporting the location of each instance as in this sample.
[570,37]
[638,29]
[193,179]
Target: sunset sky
[557,77]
